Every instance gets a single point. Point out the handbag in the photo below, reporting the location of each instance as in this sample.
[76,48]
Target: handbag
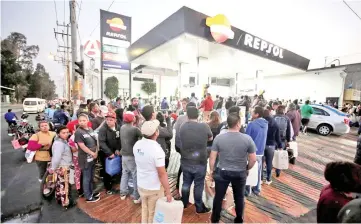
[29,155]
[294,147]
[252,178]
[280,160]
[113,166]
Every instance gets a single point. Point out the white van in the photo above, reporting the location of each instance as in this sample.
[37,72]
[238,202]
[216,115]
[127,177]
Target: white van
[34,105]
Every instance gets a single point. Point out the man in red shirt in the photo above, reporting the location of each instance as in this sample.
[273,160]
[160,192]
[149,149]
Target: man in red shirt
[207,106]
[72,125]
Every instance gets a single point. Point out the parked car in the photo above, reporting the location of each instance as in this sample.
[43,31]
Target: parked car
[326,120]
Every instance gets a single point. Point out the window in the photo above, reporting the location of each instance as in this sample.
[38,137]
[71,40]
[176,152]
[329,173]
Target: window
[317,111]
[30,103]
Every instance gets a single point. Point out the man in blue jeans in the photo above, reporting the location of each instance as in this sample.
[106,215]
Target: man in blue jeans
[257,129]
[194,137]
[236,156]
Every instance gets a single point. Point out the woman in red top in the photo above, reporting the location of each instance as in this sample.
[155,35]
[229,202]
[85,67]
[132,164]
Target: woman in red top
[344,178]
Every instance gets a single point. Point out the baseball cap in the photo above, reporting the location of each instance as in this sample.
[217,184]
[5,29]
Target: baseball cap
[128,117]
[111,114]
[149,127]
[104,109]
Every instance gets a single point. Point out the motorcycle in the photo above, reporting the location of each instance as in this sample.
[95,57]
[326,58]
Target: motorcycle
[22,131]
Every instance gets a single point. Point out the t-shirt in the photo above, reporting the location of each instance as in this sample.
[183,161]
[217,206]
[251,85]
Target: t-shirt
[148,156]
[129,135]
[88,137]
[194,137]
[233,149]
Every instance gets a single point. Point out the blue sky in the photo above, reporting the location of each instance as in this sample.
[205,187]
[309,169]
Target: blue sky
[311,28]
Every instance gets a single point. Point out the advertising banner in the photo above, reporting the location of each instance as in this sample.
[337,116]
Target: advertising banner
[115,34]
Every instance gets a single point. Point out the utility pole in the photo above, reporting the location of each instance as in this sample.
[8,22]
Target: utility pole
[66,59]
[75,78]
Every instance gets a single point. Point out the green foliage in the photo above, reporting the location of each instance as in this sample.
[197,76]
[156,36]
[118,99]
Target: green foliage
[111,87]
[149,88]
[17,69]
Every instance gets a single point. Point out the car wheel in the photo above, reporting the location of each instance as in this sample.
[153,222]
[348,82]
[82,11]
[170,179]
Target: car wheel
[324,129]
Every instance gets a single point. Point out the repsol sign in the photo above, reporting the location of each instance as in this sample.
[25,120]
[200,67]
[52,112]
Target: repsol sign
[262,45]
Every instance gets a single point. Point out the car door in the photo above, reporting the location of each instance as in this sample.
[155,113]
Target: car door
[319,116]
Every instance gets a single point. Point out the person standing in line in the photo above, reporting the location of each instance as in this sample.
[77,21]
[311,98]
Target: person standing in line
[41,142]
[234,150]
[93,111]
[257,129]
[194,137]
[100,118]
[220,106]
[134,107]
[273,141]
[215,103]
[223,127]
[207,106]
[295,119]
[110,146]
[85,137]
[229,104]
[129,135]
[306,113]
[193,99]
[152,176]
[180,121]
[167,130]
[284,125]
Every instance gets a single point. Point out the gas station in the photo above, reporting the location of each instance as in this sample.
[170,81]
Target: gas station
[189,50]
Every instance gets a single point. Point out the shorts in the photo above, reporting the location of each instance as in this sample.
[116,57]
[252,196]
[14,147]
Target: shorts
[305,121]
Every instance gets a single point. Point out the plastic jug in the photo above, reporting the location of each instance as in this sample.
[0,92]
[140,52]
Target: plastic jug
[168,212]
[280,160]
[252,178]
[294,147]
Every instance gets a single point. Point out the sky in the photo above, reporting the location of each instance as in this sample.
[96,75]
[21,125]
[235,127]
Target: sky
[314,29]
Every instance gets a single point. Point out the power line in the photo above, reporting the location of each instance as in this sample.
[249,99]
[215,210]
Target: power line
[99,21]
[351,9]
[56,12]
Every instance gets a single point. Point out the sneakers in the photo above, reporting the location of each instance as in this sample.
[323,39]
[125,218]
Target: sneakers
[110,192]
[123,197]
[92,199]
[137,201]
[205,210]
[96,195]
[268,182]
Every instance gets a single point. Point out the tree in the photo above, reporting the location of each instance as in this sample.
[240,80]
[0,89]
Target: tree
[16,43]
[149,88]
[111,87]
[40,84]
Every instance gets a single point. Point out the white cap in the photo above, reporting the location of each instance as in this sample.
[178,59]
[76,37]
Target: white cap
[150,127]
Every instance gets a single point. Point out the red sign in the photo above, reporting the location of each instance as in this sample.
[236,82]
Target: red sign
[92,48]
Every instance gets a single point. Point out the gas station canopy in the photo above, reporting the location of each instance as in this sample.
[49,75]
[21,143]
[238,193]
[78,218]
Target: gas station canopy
[188,35]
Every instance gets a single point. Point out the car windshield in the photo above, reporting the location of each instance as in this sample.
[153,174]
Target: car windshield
[335,111]
[31,103]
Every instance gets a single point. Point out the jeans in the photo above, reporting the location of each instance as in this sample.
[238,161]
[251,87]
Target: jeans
[195,173]
[88,176]
[42,166]
[238,181]
[256,189]
[278,171]
[129,169]
[268,158]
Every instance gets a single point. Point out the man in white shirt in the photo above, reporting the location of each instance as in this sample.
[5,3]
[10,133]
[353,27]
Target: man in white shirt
[152,177]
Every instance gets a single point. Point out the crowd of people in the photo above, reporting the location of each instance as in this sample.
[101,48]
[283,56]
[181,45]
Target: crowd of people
[141,136]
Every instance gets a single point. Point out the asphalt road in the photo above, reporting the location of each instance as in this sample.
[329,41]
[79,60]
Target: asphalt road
[20,189]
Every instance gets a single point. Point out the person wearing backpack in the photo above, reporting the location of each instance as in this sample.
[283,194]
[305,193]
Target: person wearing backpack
[284,125]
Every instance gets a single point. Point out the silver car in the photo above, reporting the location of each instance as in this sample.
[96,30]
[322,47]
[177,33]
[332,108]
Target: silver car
[326,120]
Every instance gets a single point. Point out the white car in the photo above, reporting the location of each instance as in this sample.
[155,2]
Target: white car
[326,120]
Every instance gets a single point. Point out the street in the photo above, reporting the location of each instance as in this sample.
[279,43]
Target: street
[20,189]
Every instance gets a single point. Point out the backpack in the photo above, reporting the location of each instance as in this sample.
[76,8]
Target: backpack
[282,125]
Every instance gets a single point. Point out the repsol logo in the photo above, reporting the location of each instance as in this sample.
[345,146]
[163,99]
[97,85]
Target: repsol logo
[262,45]
[117,35]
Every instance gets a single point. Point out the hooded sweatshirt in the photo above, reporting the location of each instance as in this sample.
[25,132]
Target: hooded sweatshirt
[257,129]
[273,133]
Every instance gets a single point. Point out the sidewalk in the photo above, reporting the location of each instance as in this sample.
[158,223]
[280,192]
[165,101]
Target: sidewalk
[14,107]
